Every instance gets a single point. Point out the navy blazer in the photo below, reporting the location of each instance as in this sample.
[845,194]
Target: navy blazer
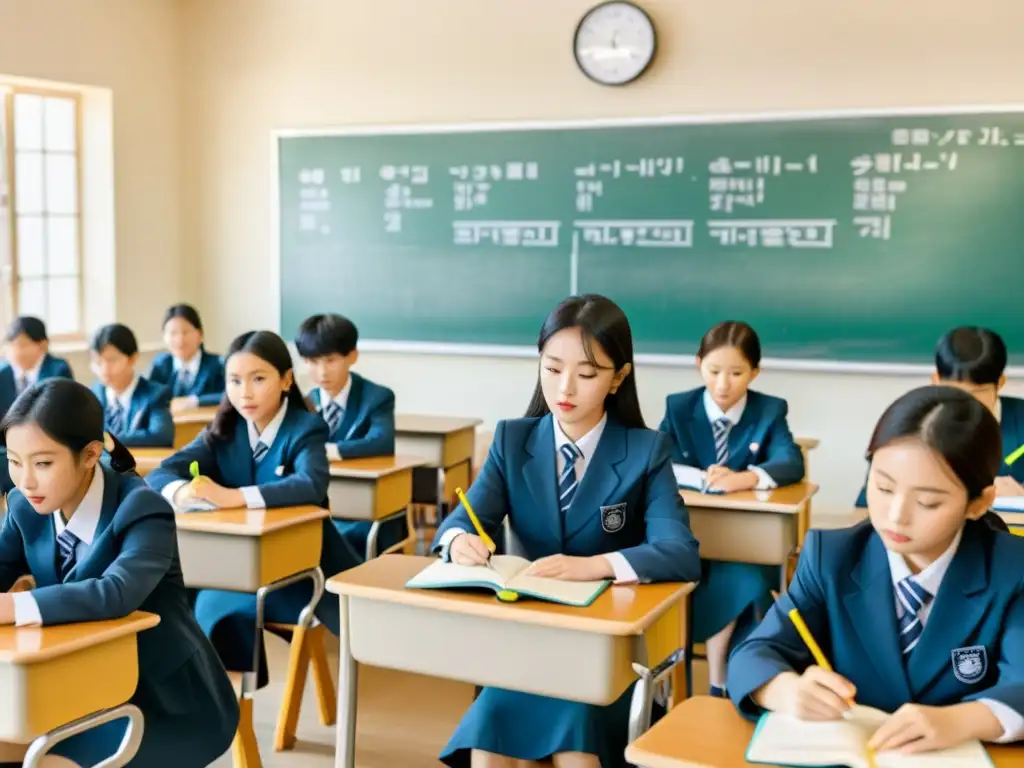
[628,473]
[51,368]
[207,386]
[148,423]
[1011,422]
[843,589]
[131,565]
[763,425]
[367,427]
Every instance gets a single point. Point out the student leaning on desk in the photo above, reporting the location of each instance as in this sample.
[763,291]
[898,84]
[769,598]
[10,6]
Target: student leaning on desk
[920,609]
[590,495]
[100,544]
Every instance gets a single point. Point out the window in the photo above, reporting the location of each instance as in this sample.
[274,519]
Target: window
[43,265]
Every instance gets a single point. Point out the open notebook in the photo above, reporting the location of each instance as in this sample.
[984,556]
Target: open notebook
[692,478]
[506,573]
[1009,504]
[195,505]
[785,740]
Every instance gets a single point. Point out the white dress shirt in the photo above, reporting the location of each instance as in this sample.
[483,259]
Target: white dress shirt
[83,524]
[30,376]
[124,399]
[190,366]
[342,400]
[931,579]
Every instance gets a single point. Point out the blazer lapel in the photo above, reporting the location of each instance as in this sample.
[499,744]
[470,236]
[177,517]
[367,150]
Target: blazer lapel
[140,399]
[741,437]
[955,614]
[703,437]
[355,400]
[539,473]
[202,374]
[8,387]
[41,552]
[314,397]
[241,466]
[871,605]
[107,511]
[599,482]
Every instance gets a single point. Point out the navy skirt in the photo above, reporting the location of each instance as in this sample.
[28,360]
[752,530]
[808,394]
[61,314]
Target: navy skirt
[730,591]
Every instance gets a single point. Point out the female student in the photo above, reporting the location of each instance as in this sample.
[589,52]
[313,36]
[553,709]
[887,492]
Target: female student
[137,410]
[264,449]
[26,347]
[589,493]
[920,609]
[194,376]
[101,544]
[741,438]
[974,359]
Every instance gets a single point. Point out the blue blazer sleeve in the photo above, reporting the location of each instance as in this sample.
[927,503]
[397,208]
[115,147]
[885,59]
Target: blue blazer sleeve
[160,369]
[1009,687]
[148,547]
[380,437]
[175,466]
[775,646]
[63,369]
[157,428]
[670,552]
[214,386]
[13,564]
[784,462]
[307,484]
[488,494]
[676,452]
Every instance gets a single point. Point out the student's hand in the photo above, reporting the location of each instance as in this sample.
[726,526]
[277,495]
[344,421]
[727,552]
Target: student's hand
[572,568]
[716,472]
[184,494]
[468,549]
[179,404]
[225,498]
[6,609]
[917,728]
[1007,486]
[728,481]
[814,695]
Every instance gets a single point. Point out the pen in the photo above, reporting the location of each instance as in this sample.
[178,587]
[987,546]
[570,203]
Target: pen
[1014,456]
[487,540]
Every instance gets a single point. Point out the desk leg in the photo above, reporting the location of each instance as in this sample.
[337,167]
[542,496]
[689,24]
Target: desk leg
[125,752]
[371,537]
[348,685]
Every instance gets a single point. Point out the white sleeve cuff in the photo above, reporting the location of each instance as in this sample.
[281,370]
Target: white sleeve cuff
[624,573]
[446,542]
[253,497]
[172,488]
[26,610]
[1011,720]
[764,480]
[332,452]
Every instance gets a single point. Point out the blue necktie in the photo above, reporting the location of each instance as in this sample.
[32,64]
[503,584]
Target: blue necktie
[22,384]
[115,418]
[913,598]
[259,451]
[66,543]
[722,427]
[332,415]
[183,382]
[567,483]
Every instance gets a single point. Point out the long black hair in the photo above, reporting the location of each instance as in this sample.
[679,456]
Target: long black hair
[70,414]
[189,314]
[269,347]
[732,333]
[600,321]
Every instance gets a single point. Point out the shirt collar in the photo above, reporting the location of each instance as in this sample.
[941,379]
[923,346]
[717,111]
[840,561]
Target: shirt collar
[86,518]
[31,375]
[998,410]
[715,413]
[341,398]
[125,398]
[191,365]
[931,577]
[268,434]
[586,444]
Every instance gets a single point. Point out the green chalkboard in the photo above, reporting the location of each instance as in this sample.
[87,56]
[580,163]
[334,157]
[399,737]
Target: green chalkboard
[846,238]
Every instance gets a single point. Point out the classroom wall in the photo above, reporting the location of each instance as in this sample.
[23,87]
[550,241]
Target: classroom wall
[131,47]
[254,65]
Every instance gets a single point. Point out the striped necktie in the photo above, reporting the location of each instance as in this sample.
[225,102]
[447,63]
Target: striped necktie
[722,427]
[66,543]
[183,383]
[22,384]
[913,598]
[568,483]
[259,451]
[115,418]
[332,415]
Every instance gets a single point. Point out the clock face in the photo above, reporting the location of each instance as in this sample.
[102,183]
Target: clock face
[614,42]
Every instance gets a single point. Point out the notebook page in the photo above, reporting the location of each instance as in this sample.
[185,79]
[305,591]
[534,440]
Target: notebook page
[688,477]
[1009,504]
[440,574]
[788,740]
[970,754]
[572,592]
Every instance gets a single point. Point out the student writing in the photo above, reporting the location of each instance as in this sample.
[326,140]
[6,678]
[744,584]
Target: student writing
[194,376]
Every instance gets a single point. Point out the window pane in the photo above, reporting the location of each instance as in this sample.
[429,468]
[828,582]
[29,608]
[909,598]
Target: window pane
[59,124]
[63,314]
[28,121]
[62,245]
[61,184]
[28,182]
[31,247]
[31,299]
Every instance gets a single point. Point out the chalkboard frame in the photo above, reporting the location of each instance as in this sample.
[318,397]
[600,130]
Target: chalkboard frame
[529,352]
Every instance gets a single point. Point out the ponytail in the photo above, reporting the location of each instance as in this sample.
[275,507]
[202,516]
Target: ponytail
[121,459]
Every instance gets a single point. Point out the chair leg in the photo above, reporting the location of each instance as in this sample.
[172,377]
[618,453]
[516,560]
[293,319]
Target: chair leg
[322,680]
[295,686]
[245,752]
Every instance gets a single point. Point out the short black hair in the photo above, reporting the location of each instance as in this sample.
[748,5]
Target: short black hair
[118,336]
[732,333]
[186,312]
[322,335]
[32,327]
[971,354]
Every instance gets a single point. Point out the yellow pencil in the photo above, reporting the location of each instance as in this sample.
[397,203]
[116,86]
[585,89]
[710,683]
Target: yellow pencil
[487,540]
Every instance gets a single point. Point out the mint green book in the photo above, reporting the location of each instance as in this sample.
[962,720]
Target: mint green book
[507,572]
[781,739]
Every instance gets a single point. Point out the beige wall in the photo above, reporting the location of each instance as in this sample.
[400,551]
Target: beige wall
[131,47]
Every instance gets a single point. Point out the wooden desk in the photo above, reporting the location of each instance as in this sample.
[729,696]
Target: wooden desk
[445,442]
[376,489]
[1015,520]
[148,459]
[587,653]
[244,549]
[750,526]
[709,733]
[188,424]
[51,676]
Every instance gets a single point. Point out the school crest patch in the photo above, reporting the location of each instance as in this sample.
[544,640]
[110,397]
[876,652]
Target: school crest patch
[970,664]
[613,517]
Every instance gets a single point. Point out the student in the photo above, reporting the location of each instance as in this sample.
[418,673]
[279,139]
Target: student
[360,415]
[920,609]
[137,410]
[264,449]
[28,360]
[194,376]
[974,359]
[100,545]
[589,493]
[743,441]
